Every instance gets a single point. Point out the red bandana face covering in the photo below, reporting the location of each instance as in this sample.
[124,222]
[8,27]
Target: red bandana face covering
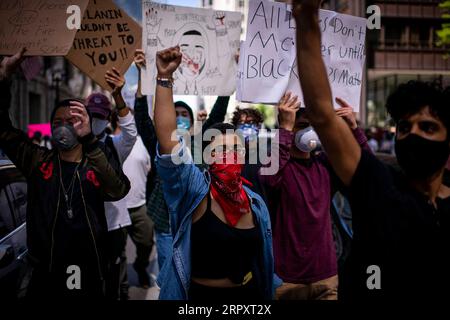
[227,190]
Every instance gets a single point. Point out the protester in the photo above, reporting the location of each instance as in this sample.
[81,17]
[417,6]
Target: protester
[120,146]
[400,218]
[67,187]
[304,250]
[137,167]
[222,246]
[249,121]
[157,207]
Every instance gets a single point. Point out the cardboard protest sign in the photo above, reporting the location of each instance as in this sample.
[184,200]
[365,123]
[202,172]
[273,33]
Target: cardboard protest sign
[269,65]
[208,39]
[40,26]
[108,38]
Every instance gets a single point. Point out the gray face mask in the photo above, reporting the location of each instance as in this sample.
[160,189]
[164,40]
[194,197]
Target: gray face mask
[307,140]
[65,138]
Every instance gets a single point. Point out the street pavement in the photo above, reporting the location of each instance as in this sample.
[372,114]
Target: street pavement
[136,292]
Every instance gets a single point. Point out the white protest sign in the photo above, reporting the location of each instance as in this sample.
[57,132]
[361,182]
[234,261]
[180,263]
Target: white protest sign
[208,39]
[269,68]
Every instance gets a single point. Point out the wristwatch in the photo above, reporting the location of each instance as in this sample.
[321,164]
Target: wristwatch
[165,82]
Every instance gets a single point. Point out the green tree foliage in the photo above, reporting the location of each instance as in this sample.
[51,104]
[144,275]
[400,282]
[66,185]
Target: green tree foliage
[268,113]
[444,33]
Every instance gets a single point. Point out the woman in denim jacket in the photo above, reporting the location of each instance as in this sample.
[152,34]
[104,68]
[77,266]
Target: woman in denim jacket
[222,247]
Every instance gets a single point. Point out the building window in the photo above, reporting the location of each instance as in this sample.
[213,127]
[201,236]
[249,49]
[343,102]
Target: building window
[393,35]
[421,36]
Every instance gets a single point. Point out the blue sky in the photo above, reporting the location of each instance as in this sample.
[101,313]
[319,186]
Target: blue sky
[134,7]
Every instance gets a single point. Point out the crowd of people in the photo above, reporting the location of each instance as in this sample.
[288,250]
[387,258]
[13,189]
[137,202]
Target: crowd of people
[224,228]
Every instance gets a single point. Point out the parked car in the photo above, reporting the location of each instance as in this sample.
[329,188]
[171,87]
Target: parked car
[14,268]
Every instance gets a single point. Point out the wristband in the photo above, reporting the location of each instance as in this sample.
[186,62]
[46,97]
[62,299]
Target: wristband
[165,82]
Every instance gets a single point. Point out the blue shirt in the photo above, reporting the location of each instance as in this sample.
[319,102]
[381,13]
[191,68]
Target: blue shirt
[185,186]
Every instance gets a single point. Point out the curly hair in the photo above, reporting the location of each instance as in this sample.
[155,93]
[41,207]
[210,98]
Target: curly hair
[411,97]
[249,112]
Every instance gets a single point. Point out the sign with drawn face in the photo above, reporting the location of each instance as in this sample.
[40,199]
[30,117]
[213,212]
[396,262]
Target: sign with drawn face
[208,39]
[193,44]
[40,26]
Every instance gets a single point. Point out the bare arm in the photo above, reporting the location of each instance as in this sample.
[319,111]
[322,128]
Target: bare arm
[117,81]
[167,61]
[343,151]
[124,142]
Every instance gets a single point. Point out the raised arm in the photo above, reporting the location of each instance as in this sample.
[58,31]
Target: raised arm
[343,151]
[144,123]
[15,143]
[182,180]
[218,112]
[346,113]
[167,61]
[287,109]
[125,141]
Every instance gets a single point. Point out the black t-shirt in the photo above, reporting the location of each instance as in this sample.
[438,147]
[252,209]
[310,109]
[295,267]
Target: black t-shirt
[76,245]
[398,230]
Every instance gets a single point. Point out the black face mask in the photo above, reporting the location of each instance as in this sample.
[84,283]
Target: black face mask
[421,158]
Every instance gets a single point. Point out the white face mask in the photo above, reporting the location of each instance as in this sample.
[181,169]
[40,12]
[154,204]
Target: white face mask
[99,126]
[307,140]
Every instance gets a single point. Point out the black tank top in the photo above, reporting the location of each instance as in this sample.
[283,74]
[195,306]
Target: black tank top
[220,251]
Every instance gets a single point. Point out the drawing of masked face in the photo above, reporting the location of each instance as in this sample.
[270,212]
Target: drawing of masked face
[192,45]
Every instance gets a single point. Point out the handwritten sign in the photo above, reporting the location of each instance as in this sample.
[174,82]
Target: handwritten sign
[269,67]
[209,41]
[108,38]
[38,25]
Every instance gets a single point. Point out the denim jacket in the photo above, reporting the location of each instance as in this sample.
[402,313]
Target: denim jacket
[185,186]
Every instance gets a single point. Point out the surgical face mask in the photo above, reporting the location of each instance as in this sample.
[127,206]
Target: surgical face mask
[421,158]
[99,126]
[249,131]
[307,140]
[65,137]
[183,123]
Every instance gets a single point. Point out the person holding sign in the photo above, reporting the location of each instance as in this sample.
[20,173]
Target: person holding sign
[401,222]
[222,246]
[67,188]
[120,146]
[304,250]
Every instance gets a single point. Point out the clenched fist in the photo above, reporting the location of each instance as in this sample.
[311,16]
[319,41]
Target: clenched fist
[167,61]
